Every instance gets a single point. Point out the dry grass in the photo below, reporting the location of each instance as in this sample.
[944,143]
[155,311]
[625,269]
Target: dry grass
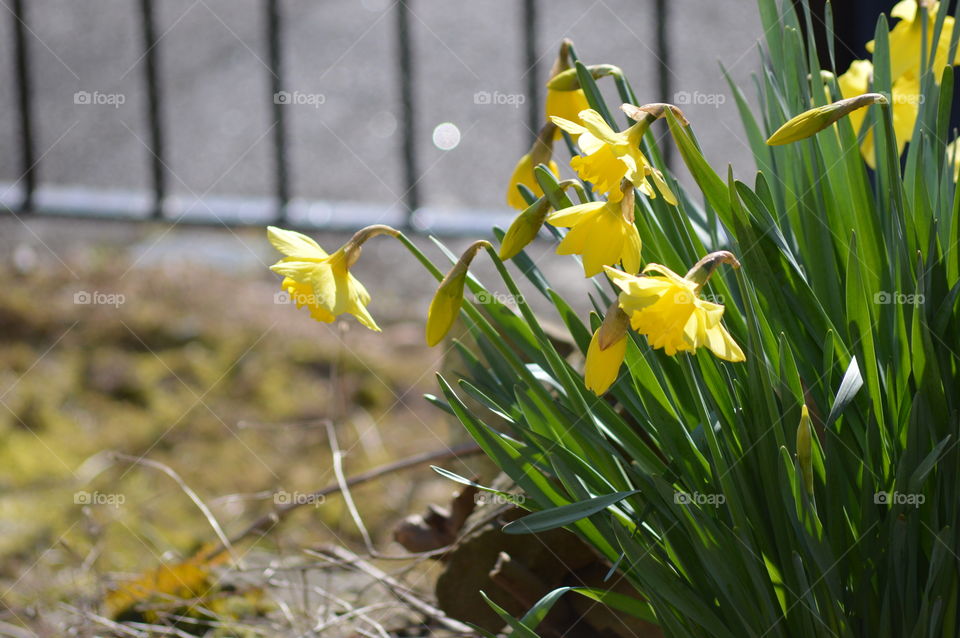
[200,371]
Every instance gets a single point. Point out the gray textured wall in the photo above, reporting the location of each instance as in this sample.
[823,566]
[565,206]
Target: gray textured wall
[218,100]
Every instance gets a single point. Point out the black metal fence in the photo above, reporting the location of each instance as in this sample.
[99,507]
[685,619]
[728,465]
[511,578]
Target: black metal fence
[406,74]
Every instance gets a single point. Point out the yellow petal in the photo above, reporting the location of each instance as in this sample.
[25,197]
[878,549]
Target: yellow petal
[603,366]
[669,274]
[630,255]
[588,143]
[359,310]
[575,241]
[638,287]
[565,105]
[603,168]
[663,187]
[522,174]
[572,215]
[722,344]
[294,244]
[598,127]
[604,242]
[570,127]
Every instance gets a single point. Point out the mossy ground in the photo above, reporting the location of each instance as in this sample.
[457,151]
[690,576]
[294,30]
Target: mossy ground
[200,370]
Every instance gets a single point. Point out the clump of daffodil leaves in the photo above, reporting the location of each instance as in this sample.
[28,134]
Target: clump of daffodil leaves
[756,425]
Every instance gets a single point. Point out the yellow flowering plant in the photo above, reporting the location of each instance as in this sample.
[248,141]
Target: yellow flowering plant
[766,444]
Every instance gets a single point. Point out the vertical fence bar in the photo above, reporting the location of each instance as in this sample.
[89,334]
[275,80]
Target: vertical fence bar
[275,56]
[664,85]
[530,63]
[411,196]
[158,174]
[24,105]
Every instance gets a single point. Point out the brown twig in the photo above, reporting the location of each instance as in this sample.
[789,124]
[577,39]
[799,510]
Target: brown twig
[268,521]
[347,557]
[193,496]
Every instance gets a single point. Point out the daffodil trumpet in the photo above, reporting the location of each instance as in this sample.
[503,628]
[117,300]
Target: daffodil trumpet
[540,153]
[609,157]
[607,349]
[446,302]
[321,282]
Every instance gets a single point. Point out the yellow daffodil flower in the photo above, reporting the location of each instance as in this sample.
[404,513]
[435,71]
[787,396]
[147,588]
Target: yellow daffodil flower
[906,39]
[445,306]
[608,347]
[602,232]
[905,100]
[523,174]
[610,157]
[540,153]
[320,281]
[667,309]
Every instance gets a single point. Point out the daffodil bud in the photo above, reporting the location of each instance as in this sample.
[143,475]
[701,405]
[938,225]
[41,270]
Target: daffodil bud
[816,119]
[606,352]
[540,153]
[524,228]
[701,271]
[568,81]
[805,449]
[654,111]
[449,296]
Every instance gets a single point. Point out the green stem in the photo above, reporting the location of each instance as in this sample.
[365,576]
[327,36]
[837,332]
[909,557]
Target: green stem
[477,317]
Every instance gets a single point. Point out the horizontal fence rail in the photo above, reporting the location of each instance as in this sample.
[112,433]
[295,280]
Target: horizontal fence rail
[24,198]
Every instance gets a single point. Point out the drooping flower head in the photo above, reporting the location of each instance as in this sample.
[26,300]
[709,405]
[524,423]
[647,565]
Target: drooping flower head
[609,157]
[445,306]
[540,153]
[323,282]
[604,233]
[565,104]
[608,347]
[668,310]
[565,98]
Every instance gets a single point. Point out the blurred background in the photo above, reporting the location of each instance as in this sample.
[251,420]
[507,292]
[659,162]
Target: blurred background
[147,142]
